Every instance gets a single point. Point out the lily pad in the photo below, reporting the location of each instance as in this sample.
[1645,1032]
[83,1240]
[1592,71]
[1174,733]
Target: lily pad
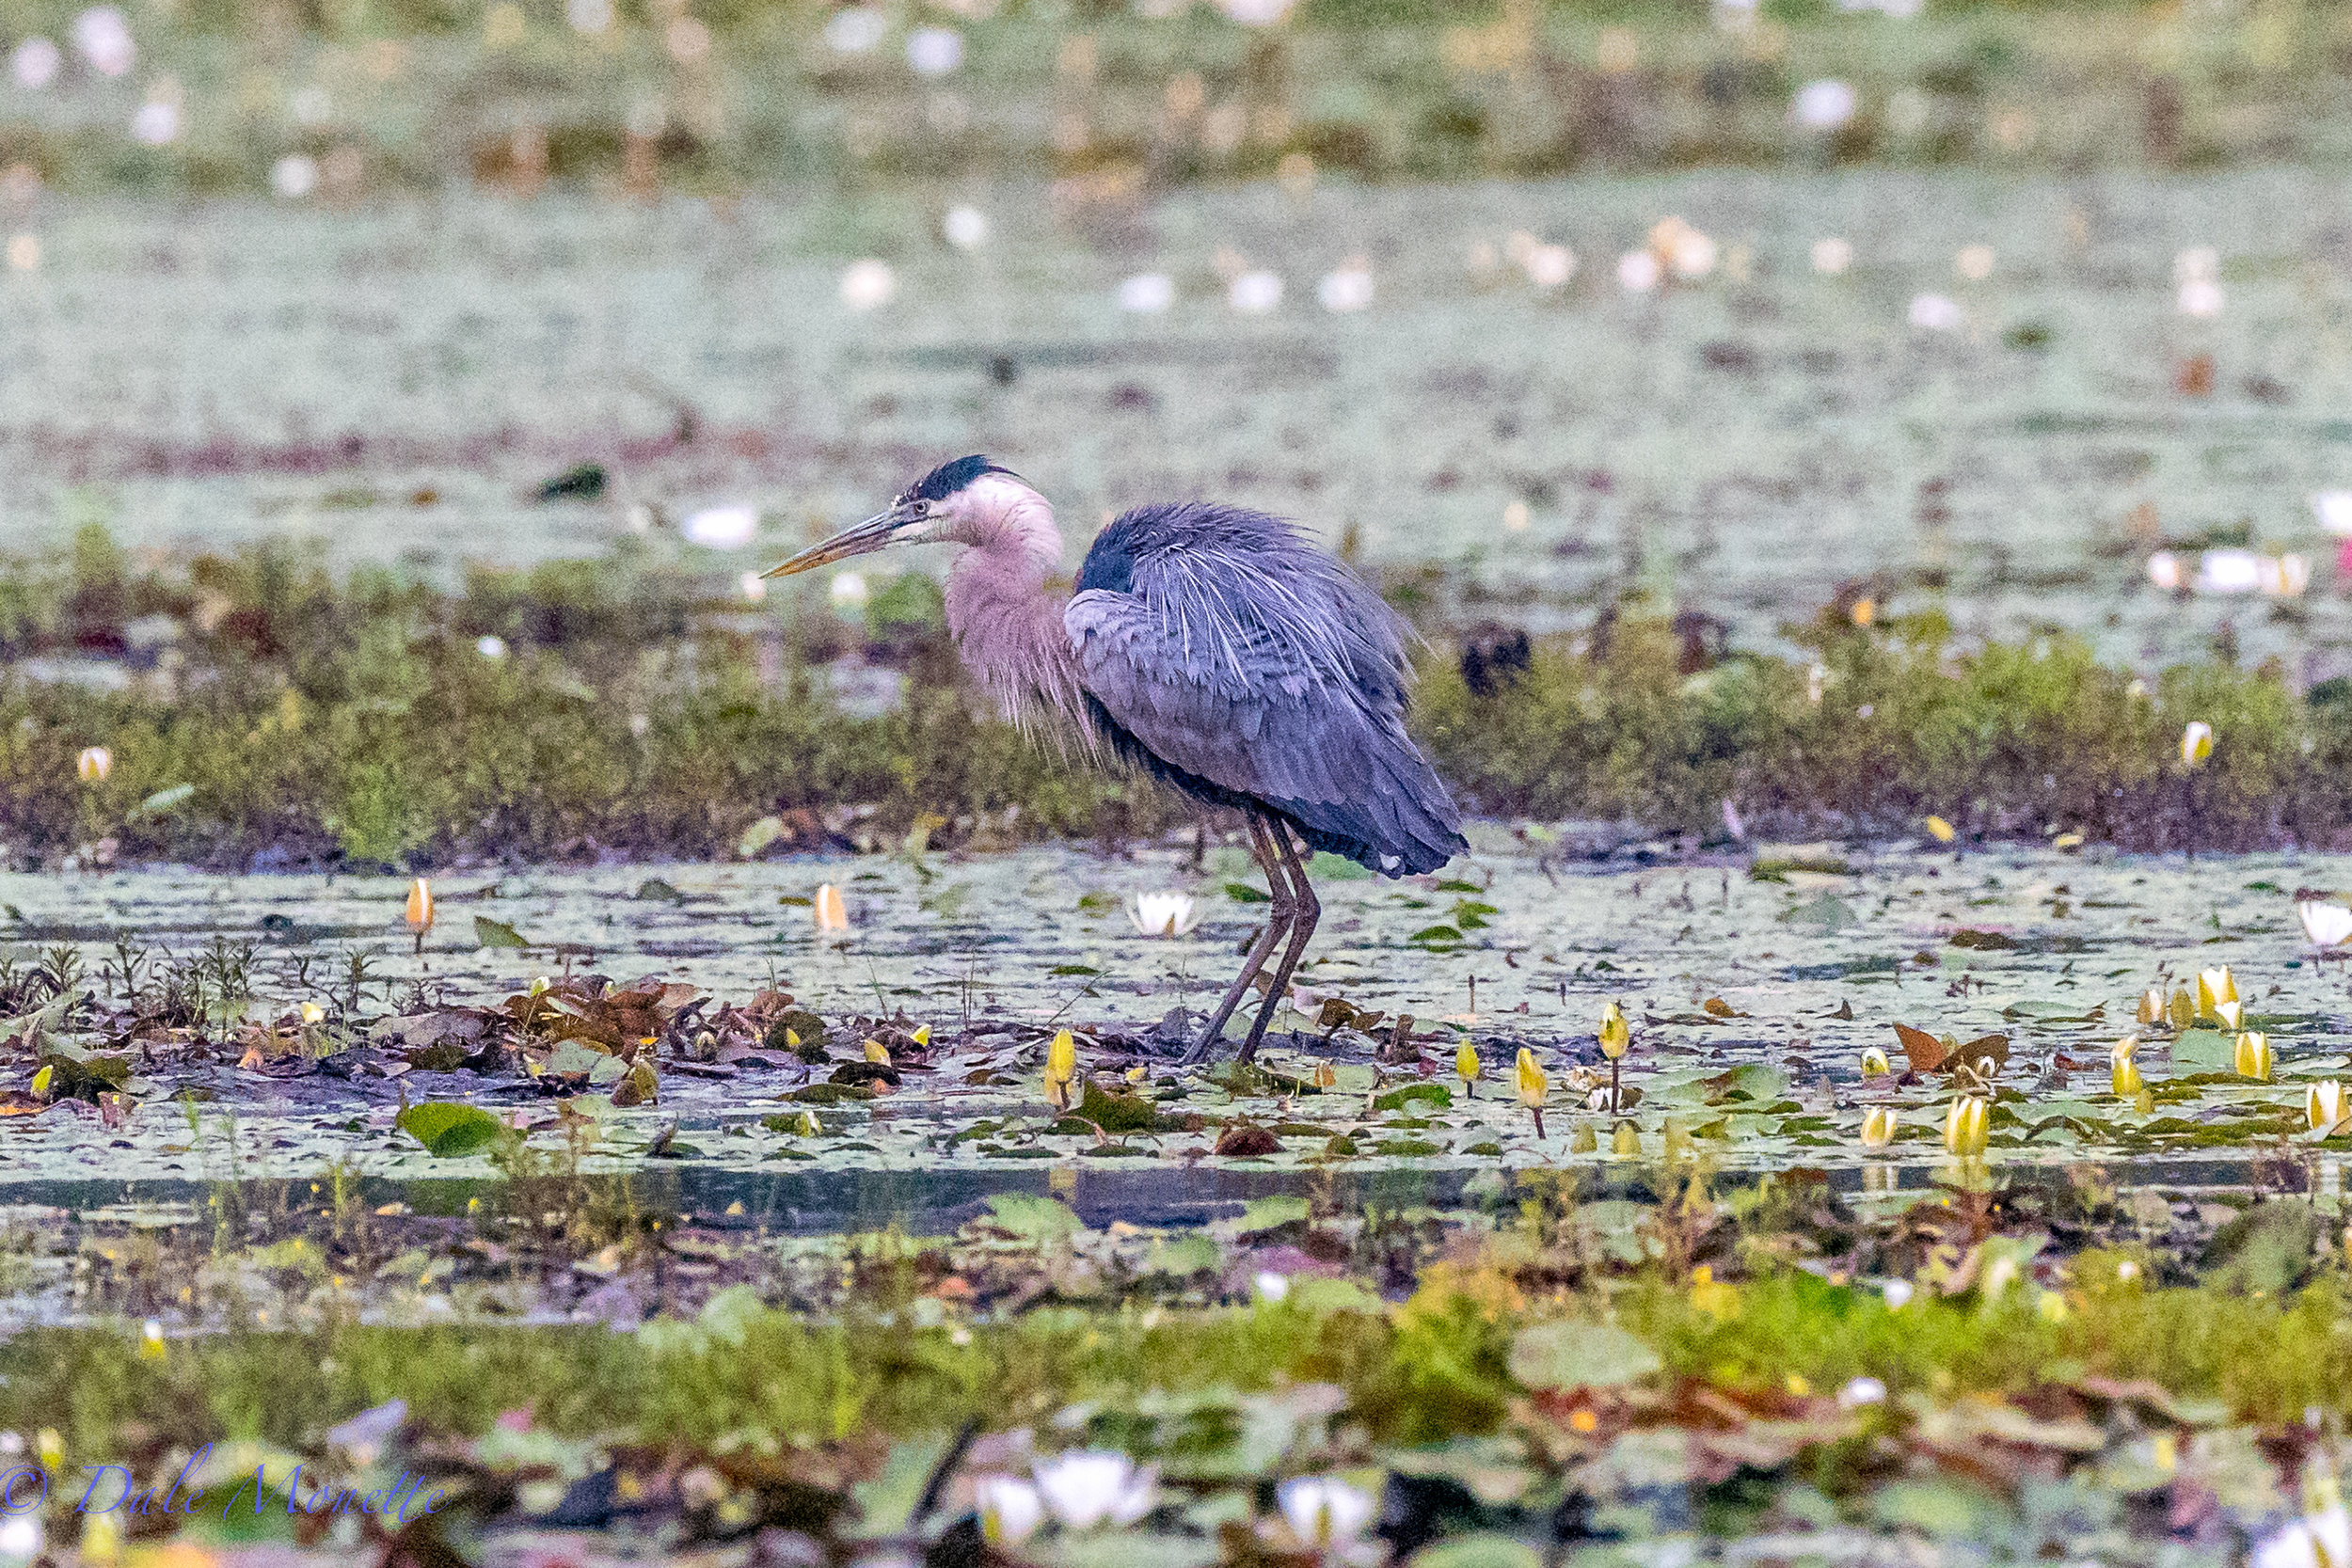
[450,1130]
[1569,1355]
[1031,1218]
[497,933]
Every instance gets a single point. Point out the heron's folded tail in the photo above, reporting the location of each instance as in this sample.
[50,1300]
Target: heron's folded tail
[1404,824]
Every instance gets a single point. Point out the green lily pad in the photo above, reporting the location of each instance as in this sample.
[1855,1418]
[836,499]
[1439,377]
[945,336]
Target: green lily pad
[1031,1218]
[497,933]
[1570,1355]
[450,1130]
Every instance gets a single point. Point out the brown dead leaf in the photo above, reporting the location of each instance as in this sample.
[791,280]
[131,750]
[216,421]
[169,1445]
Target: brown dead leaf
[1983,1049]
[1927,1053]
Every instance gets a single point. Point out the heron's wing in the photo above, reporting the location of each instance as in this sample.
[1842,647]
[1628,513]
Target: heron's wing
[1280,686]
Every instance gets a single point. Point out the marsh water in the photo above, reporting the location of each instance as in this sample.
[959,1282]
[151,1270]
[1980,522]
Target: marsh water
[1790,977]
[396,383]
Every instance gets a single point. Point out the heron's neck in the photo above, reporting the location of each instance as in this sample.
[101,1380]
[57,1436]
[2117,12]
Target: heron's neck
[1003,608]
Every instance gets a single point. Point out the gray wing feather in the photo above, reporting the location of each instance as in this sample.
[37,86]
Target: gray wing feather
[1261,666]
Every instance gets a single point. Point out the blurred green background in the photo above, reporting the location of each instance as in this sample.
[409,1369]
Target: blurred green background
[629,97]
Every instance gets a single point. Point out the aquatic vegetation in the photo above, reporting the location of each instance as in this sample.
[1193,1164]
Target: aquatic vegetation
[356,722]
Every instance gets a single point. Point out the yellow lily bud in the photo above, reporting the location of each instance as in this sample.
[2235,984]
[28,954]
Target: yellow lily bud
[2324,1103]
[1326,1076]
[2124,1050]
[2214,987]
[312,1012]
[1878,1126]
[2232,1015]
[791,1039]
[1534,1082]
[2123,1078]
[420,911]
[1465,1066]
[2151,1007]
[152,1346]
[1968,1126]
[2195,743]
[832,914]
[1061,1069]
[2253,1055]
[1614,1035]
[2183,1010]
[1874,1063]
[878,1053]
[1941,829]
[923,1036]
[1626,1142]
[94,764]
[1583,1140]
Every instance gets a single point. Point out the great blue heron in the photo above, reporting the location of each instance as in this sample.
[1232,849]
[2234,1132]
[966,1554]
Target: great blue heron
[1210,646]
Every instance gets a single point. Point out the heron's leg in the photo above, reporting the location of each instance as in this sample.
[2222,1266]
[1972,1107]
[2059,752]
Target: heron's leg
[1279,914]
[1305,912]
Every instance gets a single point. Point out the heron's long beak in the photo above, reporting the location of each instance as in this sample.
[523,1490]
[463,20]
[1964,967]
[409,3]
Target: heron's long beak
[877,533]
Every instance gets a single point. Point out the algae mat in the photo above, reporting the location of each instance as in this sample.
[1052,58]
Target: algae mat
[400,381]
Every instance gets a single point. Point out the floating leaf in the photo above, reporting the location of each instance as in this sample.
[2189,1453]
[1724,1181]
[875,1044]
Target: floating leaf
[1754,1082]
[163,800]
[1477,1551]
[497,933]
[1569,1355]
[1266,1213]
[2203,1050]
[450,1130]
[1827,914]
[1030,1218]
[2265,1250]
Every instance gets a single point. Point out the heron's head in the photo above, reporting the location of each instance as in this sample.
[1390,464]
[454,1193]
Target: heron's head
[949,504]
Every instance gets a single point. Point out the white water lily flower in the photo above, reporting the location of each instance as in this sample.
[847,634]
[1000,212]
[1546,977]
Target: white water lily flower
[1096,1486]
[2317,1542]
[2229,571]
[1162,915]
[868,284]
[2326,924]
[1010,1509]
[1324,1511]
[1937,313]
[1861,1391]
